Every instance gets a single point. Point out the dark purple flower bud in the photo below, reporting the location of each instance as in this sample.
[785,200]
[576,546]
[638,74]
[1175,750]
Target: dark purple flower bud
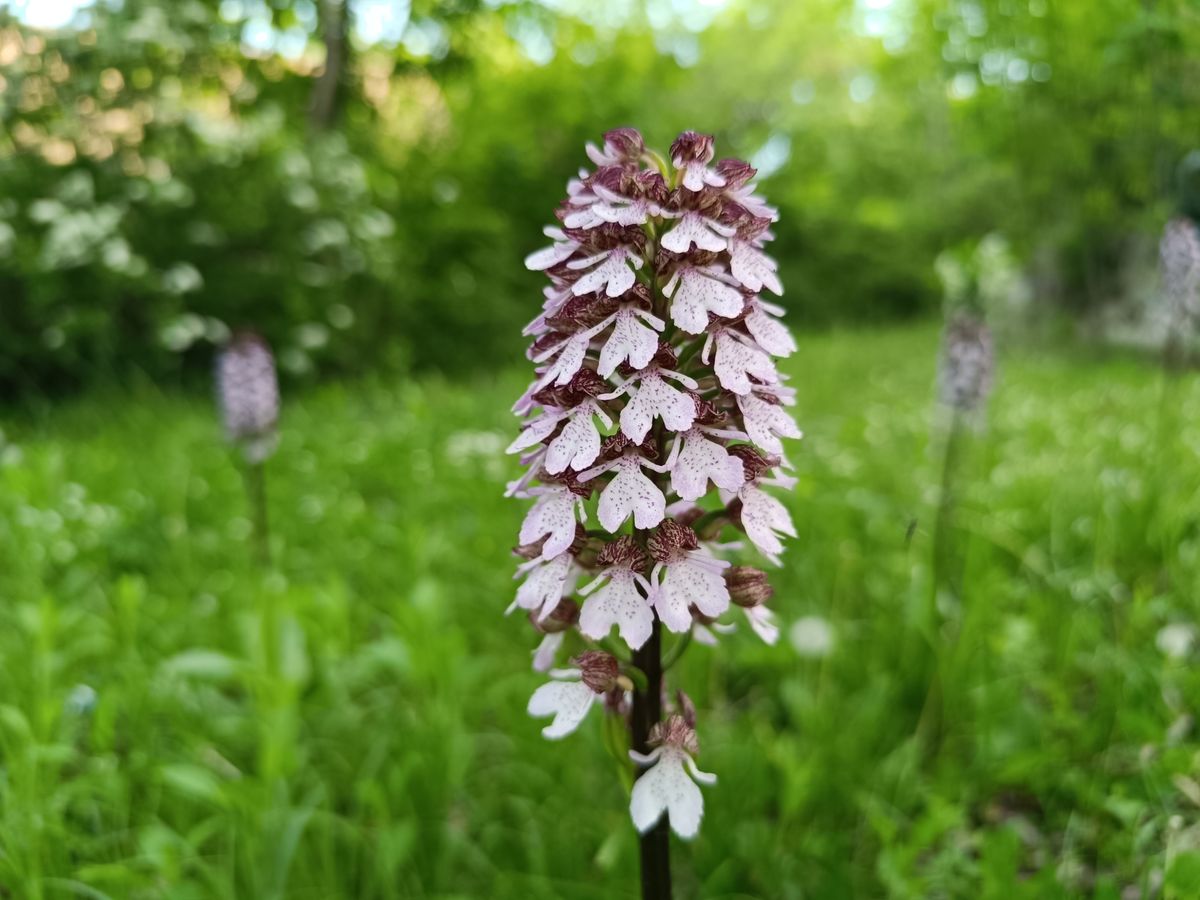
[598,669]
[670,540]
[691,146]
[675,732]
[623,552]
[622,146]
[736,172]
[687,708]
[564,616]
[754,464]
[748,586]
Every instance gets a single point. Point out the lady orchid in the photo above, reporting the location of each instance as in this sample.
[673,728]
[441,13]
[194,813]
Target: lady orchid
[651,433]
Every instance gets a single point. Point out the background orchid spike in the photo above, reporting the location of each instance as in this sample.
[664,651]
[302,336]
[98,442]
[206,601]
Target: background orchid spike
[248,395]
[967,364]
[656,414]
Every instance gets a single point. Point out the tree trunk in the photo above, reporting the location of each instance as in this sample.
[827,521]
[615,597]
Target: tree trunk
[327,92]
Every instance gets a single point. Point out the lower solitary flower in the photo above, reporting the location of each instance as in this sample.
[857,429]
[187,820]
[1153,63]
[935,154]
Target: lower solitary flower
[666,786]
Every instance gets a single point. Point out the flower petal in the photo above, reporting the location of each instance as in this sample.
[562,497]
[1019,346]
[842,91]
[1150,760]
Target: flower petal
[567,701]
[696,294]
[578,444]
[736,360]
[689,581]
[763,516]
[771,334]
[543,656]
[553,514]
[618,603]
[702,459]
[766,422]
[694,228]
[630,340]
[753,268]
[543,586]
[655,397]
[631,492]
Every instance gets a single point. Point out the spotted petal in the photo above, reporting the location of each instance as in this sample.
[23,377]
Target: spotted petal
[694,294]
[543,586]
[631,492]
[693,228]
[766,422]
[694,579]
[771,334]
[655,397]
[552,514]
[578,444]
[736,360]
[613,272]
[630,340]
[753,268]
[763,516]
[618,603]
[702,459]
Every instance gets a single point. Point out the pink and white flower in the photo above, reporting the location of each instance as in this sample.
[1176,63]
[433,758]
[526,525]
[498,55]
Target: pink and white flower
[622,146]
[685,575]
[766,422]
[690,154]
[573,691]
[764,518]
[648,256]
[630,340]
[762,623]
[543,587]
[619,596]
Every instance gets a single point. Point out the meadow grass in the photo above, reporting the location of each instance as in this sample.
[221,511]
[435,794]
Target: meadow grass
[176,723]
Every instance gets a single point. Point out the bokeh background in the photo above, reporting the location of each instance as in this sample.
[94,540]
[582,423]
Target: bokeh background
[359,181]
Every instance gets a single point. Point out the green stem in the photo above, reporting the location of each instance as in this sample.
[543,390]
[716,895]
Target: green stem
[254,476]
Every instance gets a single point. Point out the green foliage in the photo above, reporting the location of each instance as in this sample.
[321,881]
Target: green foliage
[177,724]
[159,183]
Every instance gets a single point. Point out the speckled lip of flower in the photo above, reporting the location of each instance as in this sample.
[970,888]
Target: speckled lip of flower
[248,394]
[652,431]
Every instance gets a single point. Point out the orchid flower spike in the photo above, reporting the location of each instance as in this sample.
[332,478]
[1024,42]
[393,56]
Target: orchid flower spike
[652,438]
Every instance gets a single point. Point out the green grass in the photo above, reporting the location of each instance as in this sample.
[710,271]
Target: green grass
[352,725]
